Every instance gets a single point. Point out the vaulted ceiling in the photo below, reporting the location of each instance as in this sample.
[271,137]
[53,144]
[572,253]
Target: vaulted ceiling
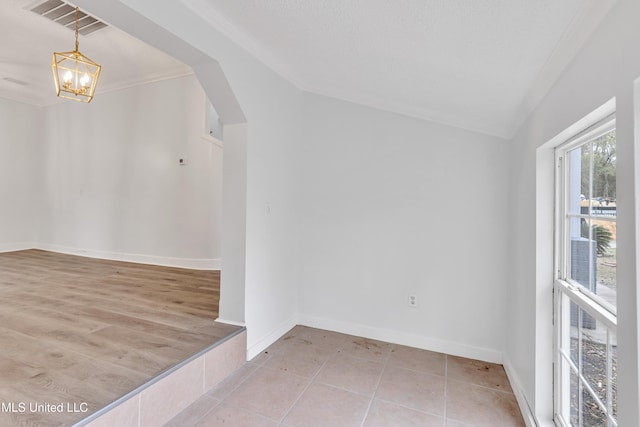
[481,65]
[477,64]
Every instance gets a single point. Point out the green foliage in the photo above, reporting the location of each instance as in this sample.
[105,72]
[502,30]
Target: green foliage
[602,152]
[600,234]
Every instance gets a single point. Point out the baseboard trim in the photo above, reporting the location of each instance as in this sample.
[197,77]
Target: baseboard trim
[526,409]
[13,247]
[403,338]
[262,343]
[190,263]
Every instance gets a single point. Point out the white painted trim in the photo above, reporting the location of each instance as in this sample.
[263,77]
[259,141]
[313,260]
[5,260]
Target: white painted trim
[262,343]
[13,247]
[550,180]
[403,338]
[190,263]
[599,114]
[160,77]
[527,412]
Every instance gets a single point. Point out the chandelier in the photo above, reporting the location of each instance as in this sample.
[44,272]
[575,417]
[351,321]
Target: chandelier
[74,74]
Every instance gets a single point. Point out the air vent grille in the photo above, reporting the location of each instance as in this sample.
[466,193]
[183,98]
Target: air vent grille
[65,15]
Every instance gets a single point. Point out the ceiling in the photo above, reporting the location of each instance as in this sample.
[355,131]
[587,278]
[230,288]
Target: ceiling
[28,43]
[481,65]
[476,64]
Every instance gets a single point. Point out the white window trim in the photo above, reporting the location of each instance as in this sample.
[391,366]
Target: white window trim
[563,285]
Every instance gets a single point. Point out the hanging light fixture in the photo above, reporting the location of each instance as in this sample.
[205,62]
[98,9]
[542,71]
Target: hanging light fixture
[75,75]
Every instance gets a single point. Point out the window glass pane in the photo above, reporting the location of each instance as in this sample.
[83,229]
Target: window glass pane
[593,355]
[592,348]
[588,258]
[604,230]
[576,400]
[582,254]
[604,236]
[603,156]
[592,414]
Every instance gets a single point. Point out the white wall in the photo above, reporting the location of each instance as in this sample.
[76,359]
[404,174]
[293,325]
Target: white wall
[271,107]
[291,198]
[113,186]
[364,218]
[20,145]
[234,220]
[392,206]
[606,67]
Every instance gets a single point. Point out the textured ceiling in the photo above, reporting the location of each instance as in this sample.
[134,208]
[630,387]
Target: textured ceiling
[468,63]
[481,65]
[28,43]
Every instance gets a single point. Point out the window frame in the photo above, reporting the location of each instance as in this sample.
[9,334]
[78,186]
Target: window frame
[566,289]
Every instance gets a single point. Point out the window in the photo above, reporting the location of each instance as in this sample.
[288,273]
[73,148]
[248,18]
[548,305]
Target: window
[585,287]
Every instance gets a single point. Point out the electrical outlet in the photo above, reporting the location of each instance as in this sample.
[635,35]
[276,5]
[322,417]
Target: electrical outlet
[413,301]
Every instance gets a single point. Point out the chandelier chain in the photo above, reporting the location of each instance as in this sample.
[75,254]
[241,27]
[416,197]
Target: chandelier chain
[77,15]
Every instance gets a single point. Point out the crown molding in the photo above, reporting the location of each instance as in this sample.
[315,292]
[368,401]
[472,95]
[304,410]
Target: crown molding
[127,84]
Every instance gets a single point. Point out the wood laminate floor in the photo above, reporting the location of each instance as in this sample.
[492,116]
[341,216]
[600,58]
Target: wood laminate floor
[82,332]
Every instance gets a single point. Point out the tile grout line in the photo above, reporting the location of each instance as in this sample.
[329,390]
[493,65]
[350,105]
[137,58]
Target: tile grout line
[373,396]
[401,405]
[204,374]
[339,387]
[205,413]
[307,387]
[375,390]
[223,399]
[337,350]
[446,382]
[249,411]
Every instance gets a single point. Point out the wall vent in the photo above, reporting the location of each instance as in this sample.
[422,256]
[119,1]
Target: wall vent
[65,15]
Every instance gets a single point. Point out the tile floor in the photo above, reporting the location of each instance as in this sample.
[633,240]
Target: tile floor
[312,377]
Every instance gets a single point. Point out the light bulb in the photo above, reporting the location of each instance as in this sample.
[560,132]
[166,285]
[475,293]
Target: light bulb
[67,76]
[84,81]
